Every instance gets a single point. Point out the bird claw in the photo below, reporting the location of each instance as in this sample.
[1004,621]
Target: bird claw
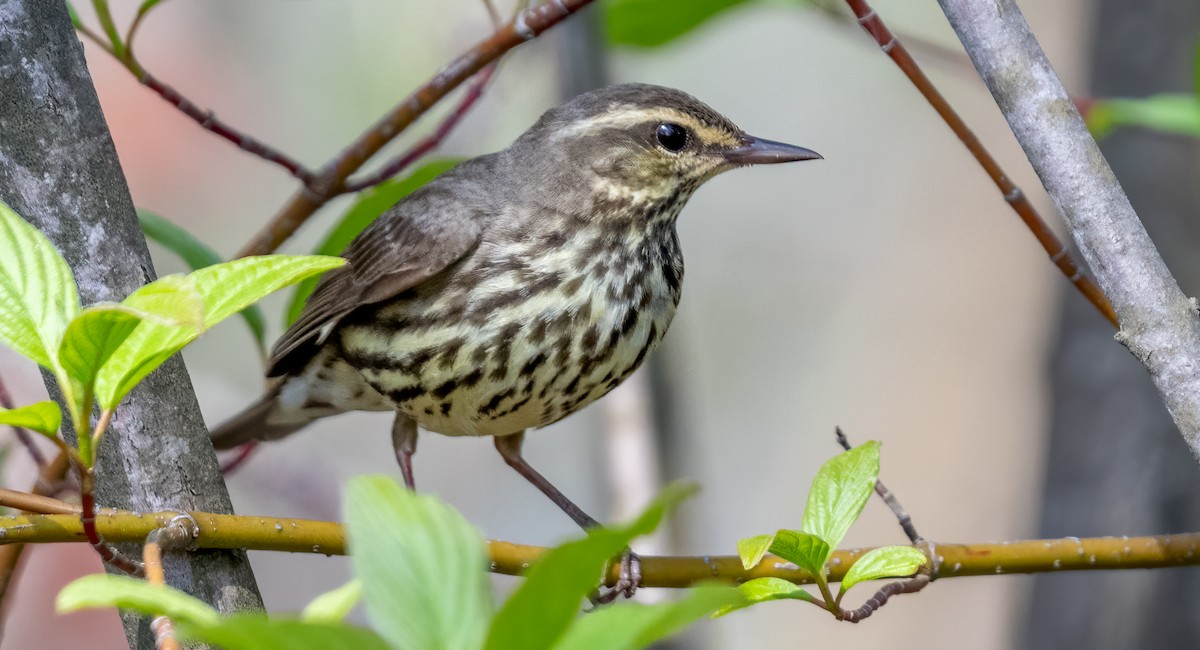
[627,584]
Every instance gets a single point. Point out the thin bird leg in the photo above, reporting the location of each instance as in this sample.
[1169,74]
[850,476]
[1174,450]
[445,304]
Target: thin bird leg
[510,449]
[404,441]
[631,565]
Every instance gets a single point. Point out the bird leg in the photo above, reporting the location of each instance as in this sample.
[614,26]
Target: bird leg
[631,565]
[404,441]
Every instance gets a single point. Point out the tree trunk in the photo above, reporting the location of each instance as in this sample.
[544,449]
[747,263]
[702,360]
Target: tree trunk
[59,170]
[1116,464]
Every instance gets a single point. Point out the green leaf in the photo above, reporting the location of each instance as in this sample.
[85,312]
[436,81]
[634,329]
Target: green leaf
[422,566]
[627,626]
[224,290]
[543,606]
[75,21]
[761,590]
[99,590]
[1168,112]
[752,549]
[195,253]
[806,551]
[333,606]
[232,286]
[371,203]
[95,334]
[147,6]
[43,417]
[152,341]
[884,562]
[37,292]
[649,23]
[257,632]
[839,492]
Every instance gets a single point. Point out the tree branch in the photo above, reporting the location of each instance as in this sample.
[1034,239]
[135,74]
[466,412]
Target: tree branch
[1158,322]
[330,181]
[216,531]
[59,169]
[1059,255]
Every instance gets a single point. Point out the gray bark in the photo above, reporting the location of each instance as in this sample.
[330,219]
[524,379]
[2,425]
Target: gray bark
[59,170]
[1158,322]
[1115,464]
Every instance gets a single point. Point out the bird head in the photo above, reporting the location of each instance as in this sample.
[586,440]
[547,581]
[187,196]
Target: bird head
[639,143]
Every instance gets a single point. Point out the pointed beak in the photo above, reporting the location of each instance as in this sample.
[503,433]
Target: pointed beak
[757,151]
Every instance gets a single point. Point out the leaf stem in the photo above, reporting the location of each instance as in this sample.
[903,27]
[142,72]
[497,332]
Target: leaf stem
[101,426]
[110,29]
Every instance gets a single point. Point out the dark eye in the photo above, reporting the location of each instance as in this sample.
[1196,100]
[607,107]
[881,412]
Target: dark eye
[672,137]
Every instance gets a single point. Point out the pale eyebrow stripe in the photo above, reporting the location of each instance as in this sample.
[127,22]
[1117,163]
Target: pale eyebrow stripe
[630,116]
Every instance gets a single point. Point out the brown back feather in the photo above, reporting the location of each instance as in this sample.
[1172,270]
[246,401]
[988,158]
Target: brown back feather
[411,242]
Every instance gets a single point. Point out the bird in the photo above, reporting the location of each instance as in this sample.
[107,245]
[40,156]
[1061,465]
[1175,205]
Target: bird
[514,289]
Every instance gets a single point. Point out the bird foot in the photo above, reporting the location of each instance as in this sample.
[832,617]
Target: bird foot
[628,581]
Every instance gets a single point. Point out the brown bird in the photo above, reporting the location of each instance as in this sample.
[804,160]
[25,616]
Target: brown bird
[514,289]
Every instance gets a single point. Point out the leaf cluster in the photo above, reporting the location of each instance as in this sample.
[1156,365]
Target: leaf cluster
[836,499]
[99,353]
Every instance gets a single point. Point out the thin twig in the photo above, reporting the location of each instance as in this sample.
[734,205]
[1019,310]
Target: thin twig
[527,25]
[87,517]
[1159,323]
[164,630]
[910,586]
[1059,255]
[210,122]
[429,142]
[36,503]
[902,516]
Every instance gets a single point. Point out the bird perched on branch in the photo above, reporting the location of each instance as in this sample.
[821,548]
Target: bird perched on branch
[514,289]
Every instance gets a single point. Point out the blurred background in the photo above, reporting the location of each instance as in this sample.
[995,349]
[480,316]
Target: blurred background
[887,289]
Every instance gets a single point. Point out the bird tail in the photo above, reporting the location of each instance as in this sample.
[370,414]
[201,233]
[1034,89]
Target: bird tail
[262,420]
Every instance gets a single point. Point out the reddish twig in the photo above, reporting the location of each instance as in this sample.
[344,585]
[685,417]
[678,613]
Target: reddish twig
[206,119]
[525,26]
[431,141]
[107,553]
[239,458]
[209,122]
[87,504]
[1013,195]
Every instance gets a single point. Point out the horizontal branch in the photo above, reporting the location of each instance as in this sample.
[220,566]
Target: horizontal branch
[327,538]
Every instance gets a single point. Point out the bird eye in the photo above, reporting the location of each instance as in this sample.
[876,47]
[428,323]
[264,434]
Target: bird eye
[671,137]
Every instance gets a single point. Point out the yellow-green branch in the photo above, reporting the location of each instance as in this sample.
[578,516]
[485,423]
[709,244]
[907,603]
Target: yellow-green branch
[308,536]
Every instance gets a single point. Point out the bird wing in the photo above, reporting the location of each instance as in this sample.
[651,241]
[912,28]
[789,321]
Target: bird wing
[411,242]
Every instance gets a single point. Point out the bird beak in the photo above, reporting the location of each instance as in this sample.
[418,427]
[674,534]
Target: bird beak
[757,151]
